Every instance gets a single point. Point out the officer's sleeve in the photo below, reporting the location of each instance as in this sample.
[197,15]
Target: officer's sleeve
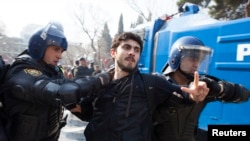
[233,92]
[38,88]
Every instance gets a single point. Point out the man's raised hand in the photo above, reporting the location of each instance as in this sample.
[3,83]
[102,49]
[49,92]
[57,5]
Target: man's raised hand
[198,90]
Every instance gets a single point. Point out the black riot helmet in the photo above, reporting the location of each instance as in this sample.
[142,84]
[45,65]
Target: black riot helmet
[50,35]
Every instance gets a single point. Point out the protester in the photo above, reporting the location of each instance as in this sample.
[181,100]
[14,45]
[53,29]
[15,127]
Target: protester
[82,70]
[179,122]
[2,62]
[35,91]
[122,111]
[92,67]
[73,69]
[96,70]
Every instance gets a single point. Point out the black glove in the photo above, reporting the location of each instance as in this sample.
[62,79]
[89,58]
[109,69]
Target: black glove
[69,94]
[213,85]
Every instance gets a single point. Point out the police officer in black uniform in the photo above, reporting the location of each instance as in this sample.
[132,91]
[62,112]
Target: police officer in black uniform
[35,91]
[178,122]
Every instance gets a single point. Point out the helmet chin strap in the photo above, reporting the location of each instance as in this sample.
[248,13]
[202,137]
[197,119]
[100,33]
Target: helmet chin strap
[190,77]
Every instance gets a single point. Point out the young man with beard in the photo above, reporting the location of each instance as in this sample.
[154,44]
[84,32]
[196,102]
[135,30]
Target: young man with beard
[122,111]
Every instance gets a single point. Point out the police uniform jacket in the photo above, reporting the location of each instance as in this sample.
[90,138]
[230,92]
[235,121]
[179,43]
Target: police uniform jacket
[33,99]
[179,122]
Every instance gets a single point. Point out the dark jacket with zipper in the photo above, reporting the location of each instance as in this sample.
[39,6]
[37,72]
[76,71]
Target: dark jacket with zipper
[122,112]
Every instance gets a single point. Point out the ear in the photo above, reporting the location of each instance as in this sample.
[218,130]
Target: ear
[112,52]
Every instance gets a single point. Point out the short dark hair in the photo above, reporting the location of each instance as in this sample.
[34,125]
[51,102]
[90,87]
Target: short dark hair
[126,36]
[77,62]
[82,59]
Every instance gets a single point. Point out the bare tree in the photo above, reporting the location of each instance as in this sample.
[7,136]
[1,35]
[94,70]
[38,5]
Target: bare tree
[90,20]
[138,7]
[150,9]
[247,9]
[73,52]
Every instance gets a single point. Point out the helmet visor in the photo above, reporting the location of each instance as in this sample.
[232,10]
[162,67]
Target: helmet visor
[54,36]
[56,41]
[195,58]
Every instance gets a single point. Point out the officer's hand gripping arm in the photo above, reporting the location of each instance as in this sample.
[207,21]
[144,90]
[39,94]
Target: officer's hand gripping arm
[71,92]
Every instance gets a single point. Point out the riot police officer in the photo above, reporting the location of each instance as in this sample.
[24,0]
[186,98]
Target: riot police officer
[35,91]
[178,122]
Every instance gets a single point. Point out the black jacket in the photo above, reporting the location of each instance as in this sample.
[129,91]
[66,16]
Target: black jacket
[82,71]
[122,112]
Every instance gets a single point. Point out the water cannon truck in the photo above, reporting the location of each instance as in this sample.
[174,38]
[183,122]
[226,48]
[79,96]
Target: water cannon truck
[230,41]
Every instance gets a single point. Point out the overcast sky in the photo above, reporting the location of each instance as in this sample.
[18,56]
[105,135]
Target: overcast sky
[17,13]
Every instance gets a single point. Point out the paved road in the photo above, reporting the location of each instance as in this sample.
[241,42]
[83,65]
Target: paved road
[73,131]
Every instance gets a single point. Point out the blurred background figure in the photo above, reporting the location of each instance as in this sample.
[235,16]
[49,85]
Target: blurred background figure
[2,63]
[73,69]
[82,70]
[91,67]
[96,70]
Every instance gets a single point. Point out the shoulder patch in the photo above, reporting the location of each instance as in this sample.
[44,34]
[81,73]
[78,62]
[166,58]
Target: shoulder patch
[33,72]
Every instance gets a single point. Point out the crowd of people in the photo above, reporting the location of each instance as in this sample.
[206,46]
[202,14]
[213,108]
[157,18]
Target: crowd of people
[81,68]
[120,104]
